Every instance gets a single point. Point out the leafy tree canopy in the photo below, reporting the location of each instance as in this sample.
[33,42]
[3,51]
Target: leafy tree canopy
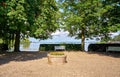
[87,18]
[36,18]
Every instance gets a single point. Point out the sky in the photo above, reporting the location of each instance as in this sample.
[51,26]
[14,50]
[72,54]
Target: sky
[62,36]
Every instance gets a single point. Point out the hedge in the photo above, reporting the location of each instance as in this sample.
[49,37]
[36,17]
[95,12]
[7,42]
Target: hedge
[68,47]
[101,47]
[3,47]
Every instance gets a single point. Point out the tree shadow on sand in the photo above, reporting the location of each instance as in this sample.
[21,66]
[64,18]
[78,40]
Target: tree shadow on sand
[21,56]
[110,54]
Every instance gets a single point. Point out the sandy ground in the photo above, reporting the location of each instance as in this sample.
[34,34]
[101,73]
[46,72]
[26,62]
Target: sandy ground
[79,64]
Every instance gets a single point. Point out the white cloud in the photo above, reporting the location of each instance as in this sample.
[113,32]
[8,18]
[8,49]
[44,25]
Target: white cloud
[59,33]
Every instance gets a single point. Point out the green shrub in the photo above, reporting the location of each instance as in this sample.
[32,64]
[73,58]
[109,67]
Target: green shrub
[68,47]
[97,47]
[101,47]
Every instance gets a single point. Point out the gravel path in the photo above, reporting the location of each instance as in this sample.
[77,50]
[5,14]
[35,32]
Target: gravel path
[79,64]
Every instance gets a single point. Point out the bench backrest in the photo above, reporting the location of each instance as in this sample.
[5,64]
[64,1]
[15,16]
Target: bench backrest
[59,47]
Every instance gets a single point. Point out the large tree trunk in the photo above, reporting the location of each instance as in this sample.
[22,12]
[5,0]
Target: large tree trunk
[83,39]
[17,41]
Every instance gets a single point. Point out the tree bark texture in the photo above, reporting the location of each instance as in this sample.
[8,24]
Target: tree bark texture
[17,41]
[83,39]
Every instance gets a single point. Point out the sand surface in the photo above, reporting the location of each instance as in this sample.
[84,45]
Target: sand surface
[79,64]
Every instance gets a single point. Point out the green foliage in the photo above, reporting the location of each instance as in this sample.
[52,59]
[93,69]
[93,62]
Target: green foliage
[81,18]
[16,14]
[81,14]
[86,18]
[109,21]
[45,18]
[116,38]
[25,42]
[102,47]
[36,18]
[68,47]
[98,47]
[102,42]
[1,41]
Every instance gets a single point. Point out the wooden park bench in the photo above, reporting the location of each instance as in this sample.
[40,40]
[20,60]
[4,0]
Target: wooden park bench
[59,48]
[113,48]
